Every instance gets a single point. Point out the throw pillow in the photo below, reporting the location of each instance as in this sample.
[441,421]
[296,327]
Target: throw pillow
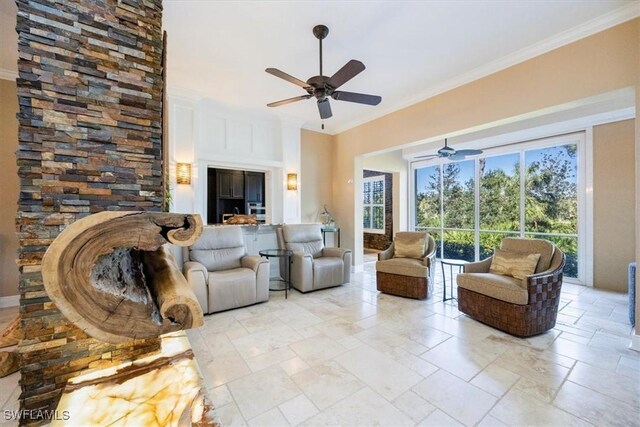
[514,264]
[409,247]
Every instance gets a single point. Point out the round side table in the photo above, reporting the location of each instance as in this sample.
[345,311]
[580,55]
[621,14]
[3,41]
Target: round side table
[284,282]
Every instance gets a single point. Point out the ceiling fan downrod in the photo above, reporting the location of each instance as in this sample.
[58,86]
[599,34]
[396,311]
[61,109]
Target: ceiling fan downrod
[320,31]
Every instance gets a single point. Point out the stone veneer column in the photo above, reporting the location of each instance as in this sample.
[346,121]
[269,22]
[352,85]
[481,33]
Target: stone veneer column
[90,93]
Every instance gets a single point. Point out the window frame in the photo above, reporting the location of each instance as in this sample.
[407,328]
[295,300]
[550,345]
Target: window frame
[582,141]
[371,180]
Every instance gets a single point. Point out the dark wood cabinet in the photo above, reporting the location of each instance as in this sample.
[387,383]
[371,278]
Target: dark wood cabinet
[254,187]
[230,191]
[230,184]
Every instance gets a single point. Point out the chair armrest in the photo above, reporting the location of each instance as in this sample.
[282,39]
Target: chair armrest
[387,253]
[252,261]
[301,256]
[430,258]
[335,252]
[546,285]
[478,267]
[198,278]
[192,267]
[302,271]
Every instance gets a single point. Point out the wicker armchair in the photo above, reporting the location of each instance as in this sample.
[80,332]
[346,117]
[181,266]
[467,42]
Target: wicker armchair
[519,307]
[407,277]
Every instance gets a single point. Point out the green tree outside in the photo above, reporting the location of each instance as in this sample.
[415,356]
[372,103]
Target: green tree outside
[551,205]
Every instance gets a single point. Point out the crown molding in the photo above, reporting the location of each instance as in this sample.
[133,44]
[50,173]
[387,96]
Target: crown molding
[601,23]
[8,74]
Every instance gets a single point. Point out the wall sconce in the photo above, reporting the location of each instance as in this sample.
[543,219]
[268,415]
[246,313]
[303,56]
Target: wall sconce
[292,181]
[183,173]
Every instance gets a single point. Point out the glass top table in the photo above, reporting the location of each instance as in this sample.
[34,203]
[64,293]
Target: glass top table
[284,279]
[275,253]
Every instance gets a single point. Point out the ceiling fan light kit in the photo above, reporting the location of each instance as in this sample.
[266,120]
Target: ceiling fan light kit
[323,87]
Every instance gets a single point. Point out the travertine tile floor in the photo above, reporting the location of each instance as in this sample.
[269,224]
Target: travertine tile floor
[351,356]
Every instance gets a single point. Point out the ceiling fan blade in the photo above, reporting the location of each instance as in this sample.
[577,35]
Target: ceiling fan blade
[468,152]
[360,98]
[287,77]
[288,101]
[456,156]
[346,73]
[325,108]
[428,156]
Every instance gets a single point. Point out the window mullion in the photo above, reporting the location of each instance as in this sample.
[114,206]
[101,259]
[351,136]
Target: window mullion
[523,183]
[476,209]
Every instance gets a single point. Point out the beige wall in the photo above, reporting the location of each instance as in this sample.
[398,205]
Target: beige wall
[594,65]
[614,199]
[316,170]
[9,180]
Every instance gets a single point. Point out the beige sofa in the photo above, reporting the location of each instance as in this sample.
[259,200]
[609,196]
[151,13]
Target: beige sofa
[221,273]
[313,266]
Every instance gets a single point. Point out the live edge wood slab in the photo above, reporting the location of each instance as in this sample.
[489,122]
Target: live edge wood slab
[111,275]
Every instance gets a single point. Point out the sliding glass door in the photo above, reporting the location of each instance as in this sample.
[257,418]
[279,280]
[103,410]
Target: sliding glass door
[499,201]
[469,206]
[551,199]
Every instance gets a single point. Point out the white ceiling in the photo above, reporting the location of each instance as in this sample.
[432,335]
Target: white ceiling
[412,49]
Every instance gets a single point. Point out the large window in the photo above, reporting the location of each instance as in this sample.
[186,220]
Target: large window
[469,206]
[373,204]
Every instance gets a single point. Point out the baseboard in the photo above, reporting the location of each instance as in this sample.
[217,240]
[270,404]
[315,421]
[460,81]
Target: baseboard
[10,301]
[635,341]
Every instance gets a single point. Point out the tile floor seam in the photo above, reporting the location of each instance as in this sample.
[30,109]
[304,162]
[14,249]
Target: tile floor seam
[580,417]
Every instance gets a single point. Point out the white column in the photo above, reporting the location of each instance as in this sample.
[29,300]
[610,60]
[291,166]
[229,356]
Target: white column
[182,150]
[291,200]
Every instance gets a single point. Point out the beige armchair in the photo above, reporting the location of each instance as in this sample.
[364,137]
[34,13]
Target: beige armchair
[521,307]
[313,266]
[221,273]
[406,267]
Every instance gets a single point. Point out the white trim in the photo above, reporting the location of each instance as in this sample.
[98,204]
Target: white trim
[587,226]
[635,341]
[571,35]
[10,301]
[8,74]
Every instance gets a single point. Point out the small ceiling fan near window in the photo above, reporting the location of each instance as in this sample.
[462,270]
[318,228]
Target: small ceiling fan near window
[322,87]
[450,153]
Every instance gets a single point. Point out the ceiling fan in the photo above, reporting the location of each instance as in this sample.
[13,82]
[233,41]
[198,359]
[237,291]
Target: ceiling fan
[450,153]
[322,87]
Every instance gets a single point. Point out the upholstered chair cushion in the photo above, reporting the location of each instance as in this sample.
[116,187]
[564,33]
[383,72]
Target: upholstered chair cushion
[403,267]
[306,238]
[514,264]
[504,288]
[531,246]
[327,271]
[408,244]
[219,248]
[233,288]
